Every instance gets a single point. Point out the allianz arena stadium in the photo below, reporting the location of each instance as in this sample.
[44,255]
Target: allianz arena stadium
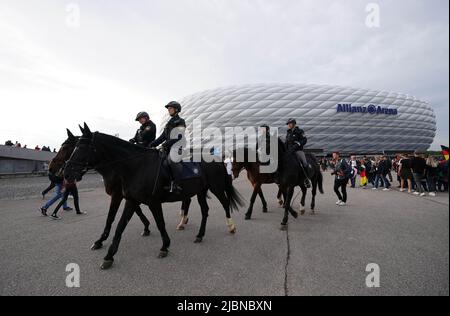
[334,118]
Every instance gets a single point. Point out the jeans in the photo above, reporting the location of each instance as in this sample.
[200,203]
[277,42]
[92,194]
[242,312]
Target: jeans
[418,179]
[378,179]
[55,198]
[432,181]
[384,181]
[69,191]
[353,181]
[341,184]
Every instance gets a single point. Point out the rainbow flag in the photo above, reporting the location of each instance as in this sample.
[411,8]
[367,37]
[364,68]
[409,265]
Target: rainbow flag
[445,152]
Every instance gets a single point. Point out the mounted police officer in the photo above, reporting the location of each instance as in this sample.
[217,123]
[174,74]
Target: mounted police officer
[295,142]
[146,134]
[173,133]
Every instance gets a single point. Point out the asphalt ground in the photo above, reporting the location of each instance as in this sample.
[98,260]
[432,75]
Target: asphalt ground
[322,254]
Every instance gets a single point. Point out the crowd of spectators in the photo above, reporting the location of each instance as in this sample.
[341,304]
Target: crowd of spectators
[418,173]
[37,148]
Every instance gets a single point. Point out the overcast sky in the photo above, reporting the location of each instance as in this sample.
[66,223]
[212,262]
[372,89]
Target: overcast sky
[129,56]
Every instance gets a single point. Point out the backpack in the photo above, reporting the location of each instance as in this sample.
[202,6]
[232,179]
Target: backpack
[347,169]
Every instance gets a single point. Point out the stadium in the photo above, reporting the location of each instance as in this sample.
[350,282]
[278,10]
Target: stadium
[359,121]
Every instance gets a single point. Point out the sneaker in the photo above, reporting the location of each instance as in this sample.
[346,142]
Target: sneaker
[386,189]
[374,188]
[81,213]
[423,194]
[432,194]
[402,190]
[342,203]
[55,217]
[43,211]
[416,193]
[338,202]
[68,209]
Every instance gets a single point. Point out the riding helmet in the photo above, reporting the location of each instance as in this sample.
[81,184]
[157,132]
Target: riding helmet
[291,121]
[175,105]
[141,115]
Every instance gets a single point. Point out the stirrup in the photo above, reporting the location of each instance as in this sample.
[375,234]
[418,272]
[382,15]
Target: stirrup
[174,188]
[308,183]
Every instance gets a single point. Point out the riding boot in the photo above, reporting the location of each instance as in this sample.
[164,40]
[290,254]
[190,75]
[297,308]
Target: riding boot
[306,171]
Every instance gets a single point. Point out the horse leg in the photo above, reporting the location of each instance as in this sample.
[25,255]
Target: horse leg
[205,213]
[256,188]
[287,206]
[226,205]
[124,220]
[116,199]
[314,193]
[157,212]
[303,200]
[184,214]
[263,200]
[279,197]
[144,221]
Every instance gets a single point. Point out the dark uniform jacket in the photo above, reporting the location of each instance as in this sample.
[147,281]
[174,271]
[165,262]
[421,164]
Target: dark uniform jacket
[165,139]
[145,135]
[295,139]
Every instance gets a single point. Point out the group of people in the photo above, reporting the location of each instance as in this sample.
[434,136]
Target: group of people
[9,143]
[417,173]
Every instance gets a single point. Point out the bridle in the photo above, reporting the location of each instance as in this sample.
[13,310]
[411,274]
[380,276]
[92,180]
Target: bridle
[83,142]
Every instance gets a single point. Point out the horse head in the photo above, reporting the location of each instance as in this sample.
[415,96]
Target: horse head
[64,153]
[82,158]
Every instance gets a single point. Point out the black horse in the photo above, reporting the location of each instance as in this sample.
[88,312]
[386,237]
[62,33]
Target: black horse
[291,175]
[143,181]
[112,186]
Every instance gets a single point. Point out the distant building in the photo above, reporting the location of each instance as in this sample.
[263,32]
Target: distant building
[19,160]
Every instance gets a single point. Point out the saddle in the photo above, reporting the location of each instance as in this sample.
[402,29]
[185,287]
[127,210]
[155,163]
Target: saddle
[182,170]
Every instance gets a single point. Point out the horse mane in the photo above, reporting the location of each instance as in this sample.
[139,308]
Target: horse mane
[122,144]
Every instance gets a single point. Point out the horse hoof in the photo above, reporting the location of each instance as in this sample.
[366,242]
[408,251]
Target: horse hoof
[96,246]
[302,211]
[107,265]
[265,210]
[283,227]
[163,254]
[295,215]
[146,233]
[281,203]
[248,217]
[198,240]
[233,231]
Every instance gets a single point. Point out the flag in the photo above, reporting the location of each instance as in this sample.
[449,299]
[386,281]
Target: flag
[445,152]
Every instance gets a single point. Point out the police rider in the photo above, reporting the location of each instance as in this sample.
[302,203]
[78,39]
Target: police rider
[295,142]
[146,134]
[177,124]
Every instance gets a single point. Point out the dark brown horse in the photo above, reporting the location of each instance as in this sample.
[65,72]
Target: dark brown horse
[257,179]
[112,185]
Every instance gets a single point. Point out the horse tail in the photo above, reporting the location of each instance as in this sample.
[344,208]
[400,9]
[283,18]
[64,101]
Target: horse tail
[235,198]
[320,182]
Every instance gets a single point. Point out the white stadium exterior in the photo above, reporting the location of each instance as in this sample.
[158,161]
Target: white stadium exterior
[334,118]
